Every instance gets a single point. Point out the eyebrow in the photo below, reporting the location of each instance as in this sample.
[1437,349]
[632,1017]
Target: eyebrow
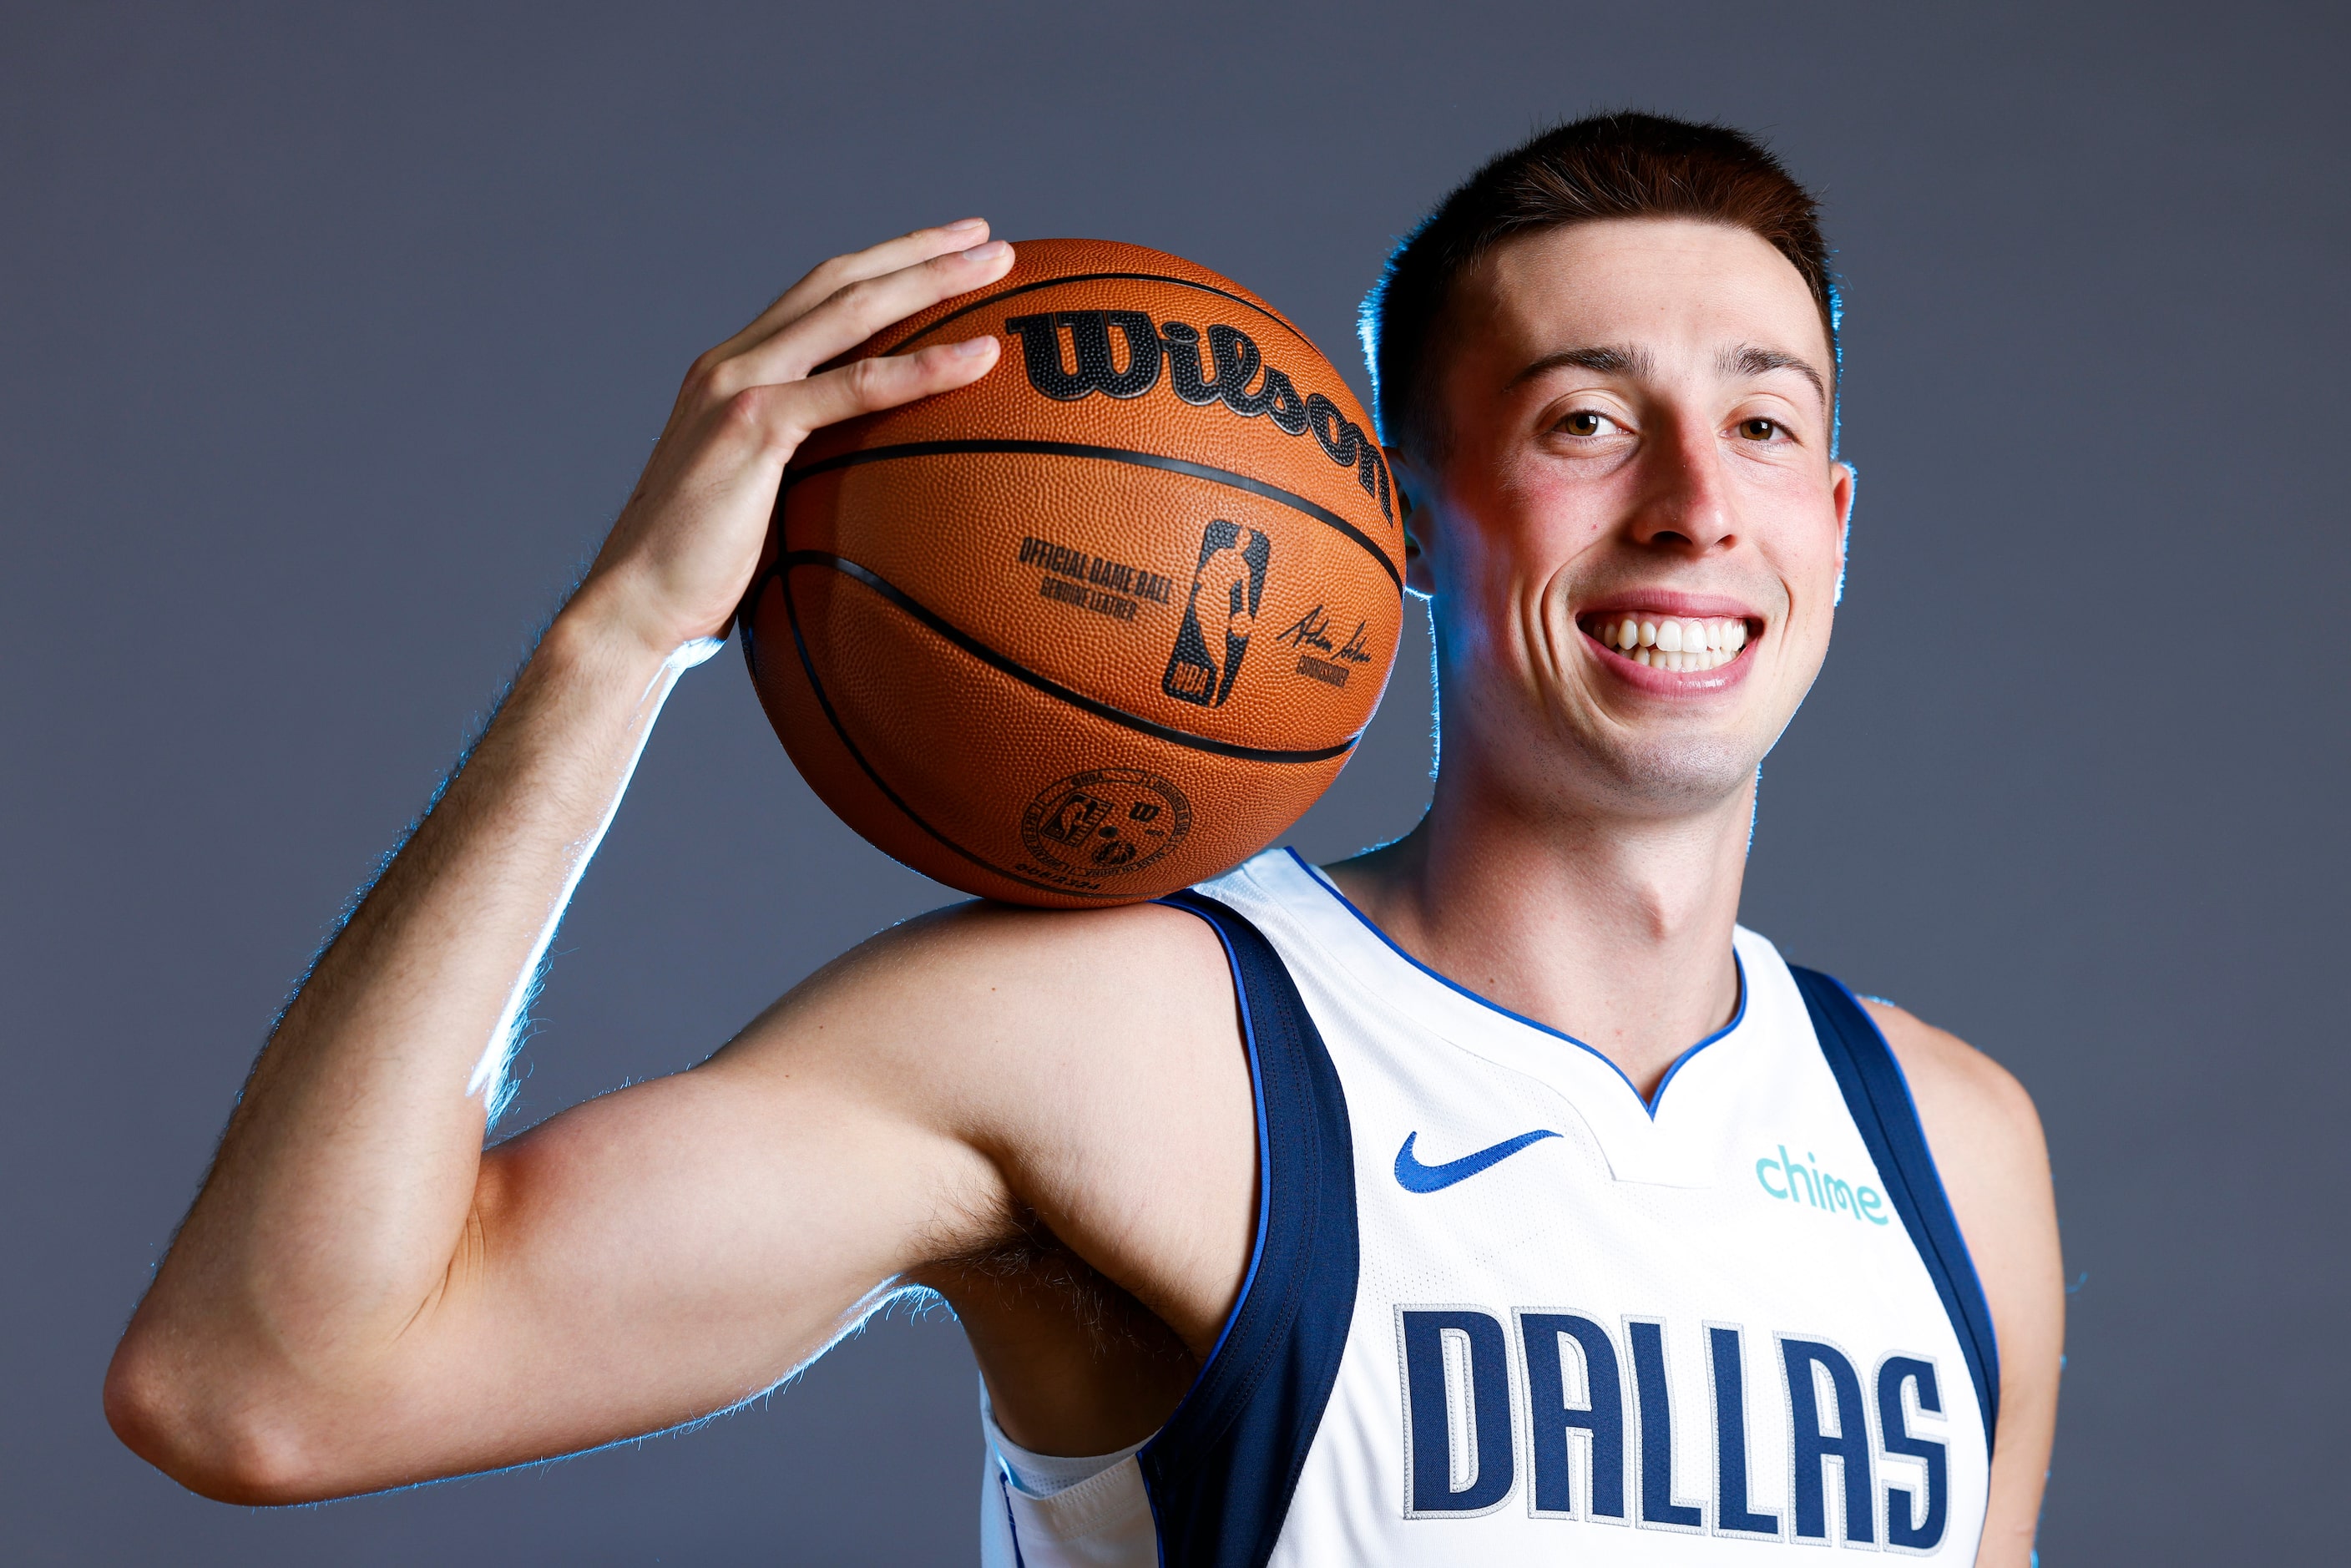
[1603,359]
[1747,359]
[1608,360]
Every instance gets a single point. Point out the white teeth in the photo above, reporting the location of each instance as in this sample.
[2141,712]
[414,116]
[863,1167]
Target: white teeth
[1666,643]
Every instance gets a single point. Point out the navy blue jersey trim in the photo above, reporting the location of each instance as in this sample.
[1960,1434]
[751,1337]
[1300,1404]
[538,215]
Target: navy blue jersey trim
[1011,1524]
[1264,1149]
[1878,1097]
[1648,1103]
[1221,1473]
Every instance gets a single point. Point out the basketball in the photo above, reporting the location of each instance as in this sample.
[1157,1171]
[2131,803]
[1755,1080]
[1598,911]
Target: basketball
[1105,622]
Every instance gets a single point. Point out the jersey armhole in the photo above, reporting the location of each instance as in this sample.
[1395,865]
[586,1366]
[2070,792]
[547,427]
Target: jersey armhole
[1220,1473]
[1877,1096]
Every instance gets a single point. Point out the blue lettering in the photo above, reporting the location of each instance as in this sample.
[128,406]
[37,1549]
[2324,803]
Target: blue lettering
[1902,1526]
[1429,1442]
[1814,1447]
[1731,1514]
[1794,1170]
[1831,1194]
[1601,1416]
[1657,1505]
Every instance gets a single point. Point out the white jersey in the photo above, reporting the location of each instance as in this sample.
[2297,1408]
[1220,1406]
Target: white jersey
[1501,1310]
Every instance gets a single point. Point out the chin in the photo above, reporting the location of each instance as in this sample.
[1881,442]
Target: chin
[1671,777]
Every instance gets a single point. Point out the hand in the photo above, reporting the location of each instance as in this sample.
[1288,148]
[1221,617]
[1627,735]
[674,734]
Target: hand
[681,557]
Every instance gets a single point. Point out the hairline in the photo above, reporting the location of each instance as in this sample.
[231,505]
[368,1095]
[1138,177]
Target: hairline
[1421,436]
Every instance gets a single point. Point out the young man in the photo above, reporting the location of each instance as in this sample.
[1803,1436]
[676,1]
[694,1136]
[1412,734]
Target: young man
[1487,1197]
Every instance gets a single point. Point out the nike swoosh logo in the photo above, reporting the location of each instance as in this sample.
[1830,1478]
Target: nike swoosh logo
[1414,1176]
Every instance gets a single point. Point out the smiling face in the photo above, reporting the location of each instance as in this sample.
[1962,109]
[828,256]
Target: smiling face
[1633,530]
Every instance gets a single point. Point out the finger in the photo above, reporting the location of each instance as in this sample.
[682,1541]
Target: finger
[829,278]
[863,308]
[888,380]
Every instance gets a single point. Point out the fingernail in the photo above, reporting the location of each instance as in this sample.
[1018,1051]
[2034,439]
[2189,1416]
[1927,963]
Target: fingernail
[988,252]
[971,346]
[961,224]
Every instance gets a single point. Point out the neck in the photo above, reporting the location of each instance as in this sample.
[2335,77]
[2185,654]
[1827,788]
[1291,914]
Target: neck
[1610,926]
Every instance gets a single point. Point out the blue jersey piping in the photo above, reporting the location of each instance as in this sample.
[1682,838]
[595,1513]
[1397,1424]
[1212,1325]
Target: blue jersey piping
[1648,1103]
[1220,1473]
[1264,1152]
[1896,1142]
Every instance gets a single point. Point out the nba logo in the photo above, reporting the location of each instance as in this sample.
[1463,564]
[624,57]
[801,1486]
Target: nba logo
[1074,817]
[1226,584]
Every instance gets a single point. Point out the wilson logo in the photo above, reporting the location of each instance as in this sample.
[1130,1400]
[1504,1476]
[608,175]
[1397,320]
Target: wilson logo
[1070,355]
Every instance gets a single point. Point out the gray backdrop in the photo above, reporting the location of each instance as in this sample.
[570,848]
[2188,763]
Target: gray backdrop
[330,337]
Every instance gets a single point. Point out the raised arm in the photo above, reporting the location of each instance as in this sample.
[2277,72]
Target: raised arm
[327,1299]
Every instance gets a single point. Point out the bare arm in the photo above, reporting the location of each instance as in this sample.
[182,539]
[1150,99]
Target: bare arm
[677,1247]
[1988,1148]
[334,1250]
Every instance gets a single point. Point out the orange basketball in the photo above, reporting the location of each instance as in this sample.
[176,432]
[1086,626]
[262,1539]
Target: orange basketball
[1103,623]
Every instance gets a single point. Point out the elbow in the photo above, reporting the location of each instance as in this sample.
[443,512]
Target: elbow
[216,1436]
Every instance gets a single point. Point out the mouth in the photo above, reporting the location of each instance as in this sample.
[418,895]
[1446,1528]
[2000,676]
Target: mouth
[1684,643]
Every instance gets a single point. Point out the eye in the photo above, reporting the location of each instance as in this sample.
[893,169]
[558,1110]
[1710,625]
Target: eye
[1760,429]
[1587,421]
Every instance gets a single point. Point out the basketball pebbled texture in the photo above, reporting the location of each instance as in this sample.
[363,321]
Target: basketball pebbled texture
[1103,623]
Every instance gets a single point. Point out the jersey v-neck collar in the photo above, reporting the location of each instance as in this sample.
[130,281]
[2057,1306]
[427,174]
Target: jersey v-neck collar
[1642,1144]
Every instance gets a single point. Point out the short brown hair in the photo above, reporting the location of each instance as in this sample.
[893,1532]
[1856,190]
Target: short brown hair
[1608,166]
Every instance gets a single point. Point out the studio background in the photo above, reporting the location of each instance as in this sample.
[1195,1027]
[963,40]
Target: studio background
[332,337]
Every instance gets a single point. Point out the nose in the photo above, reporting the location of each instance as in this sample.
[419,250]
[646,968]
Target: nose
[1685,504]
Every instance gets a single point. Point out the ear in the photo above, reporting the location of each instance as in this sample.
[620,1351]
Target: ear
[1845,478]
[1417,517]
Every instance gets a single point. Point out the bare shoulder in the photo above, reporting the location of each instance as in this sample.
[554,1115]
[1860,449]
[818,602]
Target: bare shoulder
[1972,1107]
[1985,1135]
[1988,1145]
[987,978]
[1091,1061]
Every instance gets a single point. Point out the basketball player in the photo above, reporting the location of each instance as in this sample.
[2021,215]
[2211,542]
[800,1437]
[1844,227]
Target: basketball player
[1488,1197]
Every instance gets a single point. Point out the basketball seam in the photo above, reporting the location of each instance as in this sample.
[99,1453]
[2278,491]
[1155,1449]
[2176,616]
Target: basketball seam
[1226,477]
[1270,315]
[776,574]
[1045,684]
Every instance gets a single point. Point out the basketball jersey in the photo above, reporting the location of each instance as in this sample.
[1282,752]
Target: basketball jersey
[1499,1309]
